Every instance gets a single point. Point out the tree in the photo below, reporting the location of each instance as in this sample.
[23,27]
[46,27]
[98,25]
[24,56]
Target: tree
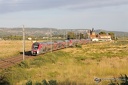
[81,36]
[101,33]
[112,35]
[76,35]
[71,35]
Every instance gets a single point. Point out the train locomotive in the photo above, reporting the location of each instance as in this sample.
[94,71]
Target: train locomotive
[44,47]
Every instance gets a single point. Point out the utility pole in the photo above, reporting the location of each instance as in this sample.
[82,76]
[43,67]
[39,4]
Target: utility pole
[66,38]
[79,35]
[76,35]
[23,42]
[51,39]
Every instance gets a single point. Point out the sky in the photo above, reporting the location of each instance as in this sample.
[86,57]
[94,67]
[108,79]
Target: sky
[111,15]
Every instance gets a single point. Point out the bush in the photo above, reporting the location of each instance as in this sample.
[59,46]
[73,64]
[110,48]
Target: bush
[29,82]
[52,82]
[4,81]
[44,82]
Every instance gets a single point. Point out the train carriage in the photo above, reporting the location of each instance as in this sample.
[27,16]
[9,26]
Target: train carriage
[67,43]
[43,47]
[61,44]
[38,48]
[55,46]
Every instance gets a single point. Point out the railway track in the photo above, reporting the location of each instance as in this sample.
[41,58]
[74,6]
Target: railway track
[8,62]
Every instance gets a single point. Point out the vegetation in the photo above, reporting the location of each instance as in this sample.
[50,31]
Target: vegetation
[112,35]
[11,48]
[74,35]
[12,37]
[101,33]
[72,66]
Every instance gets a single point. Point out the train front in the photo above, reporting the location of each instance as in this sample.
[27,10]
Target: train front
[35,48]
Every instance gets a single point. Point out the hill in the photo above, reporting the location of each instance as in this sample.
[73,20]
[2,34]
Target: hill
[36,32]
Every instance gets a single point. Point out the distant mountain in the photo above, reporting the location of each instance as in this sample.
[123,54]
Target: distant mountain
[28,31]
[34,31]
[47,31]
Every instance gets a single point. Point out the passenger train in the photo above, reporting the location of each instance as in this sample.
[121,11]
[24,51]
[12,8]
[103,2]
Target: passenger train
[43,47]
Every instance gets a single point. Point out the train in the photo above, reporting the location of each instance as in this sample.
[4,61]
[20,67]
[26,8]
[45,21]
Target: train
[44,47]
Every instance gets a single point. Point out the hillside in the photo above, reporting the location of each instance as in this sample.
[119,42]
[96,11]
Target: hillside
[46,31]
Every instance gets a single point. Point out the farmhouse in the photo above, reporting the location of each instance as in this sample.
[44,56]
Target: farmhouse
[92,35]
[104,37]
[96,37]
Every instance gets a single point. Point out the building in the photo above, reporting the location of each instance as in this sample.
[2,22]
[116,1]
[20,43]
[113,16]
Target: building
[95,37]
[104,37]
[92,35]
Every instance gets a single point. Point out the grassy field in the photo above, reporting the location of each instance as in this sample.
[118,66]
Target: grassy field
[11,48]
[73,66]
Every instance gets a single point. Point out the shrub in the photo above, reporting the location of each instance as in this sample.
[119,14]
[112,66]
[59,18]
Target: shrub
[3,80]
[44,82]
[38,83]
[52,82]
[29,82]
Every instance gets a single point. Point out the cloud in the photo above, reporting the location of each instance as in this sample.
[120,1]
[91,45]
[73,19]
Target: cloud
[99,4]
[7,6]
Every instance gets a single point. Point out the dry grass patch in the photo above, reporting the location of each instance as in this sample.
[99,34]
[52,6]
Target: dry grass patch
[11,48]
[82,71]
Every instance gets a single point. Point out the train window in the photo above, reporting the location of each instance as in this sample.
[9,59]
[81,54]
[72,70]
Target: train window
[35,46]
